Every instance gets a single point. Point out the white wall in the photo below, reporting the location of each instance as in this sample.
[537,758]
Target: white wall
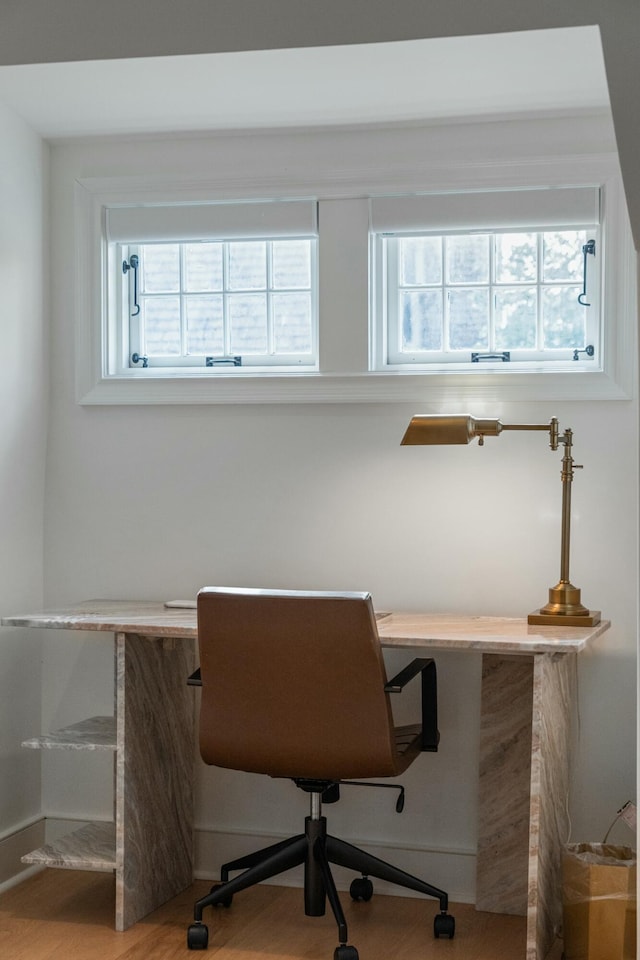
[154,502]
[23,422]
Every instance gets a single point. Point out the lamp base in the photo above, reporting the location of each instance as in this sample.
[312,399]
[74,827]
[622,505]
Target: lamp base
[591,619]
[565,609]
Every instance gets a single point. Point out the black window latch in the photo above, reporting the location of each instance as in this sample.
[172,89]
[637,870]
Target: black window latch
[589,350]
[132,264]
[219,361]
[505,356]
[589,248]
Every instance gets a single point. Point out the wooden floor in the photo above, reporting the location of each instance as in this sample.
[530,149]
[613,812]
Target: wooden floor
[68,915]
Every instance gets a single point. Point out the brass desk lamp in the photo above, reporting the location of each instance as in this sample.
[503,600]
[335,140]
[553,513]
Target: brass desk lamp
[564,607]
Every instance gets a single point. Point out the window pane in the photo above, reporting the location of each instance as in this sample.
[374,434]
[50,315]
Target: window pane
[292,322]
[161,323]
[248,265]
[420,261]
[468,259]
[248,323]
[203,266]
[563,318]
[562,258]
[421,313]
[468,319]
[256,298]
[160,268]
[514,290]
[516,257]
[291,264]
[515,319]
[205,333]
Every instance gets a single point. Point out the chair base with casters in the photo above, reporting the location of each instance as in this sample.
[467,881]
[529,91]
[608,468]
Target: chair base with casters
[316,849]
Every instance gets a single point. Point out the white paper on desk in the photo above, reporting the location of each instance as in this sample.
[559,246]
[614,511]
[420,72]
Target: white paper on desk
[181,604]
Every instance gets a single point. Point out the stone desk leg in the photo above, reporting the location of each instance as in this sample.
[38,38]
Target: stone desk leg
[154,773]
[525,732]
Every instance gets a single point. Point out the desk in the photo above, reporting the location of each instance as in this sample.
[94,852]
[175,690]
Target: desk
[528,678]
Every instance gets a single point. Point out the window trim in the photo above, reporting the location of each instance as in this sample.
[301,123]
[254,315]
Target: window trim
[385,314]
[345,377]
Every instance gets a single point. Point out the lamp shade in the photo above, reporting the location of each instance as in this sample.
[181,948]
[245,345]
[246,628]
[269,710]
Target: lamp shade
[427,429]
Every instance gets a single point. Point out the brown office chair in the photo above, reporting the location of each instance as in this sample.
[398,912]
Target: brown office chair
[294,685]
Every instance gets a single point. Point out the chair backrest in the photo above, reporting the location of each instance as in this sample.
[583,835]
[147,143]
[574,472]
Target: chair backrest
[293,684]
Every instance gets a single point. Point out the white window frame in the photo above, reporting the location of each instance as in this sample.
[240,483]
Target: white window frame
[129,334]
[386,315]
[347,347]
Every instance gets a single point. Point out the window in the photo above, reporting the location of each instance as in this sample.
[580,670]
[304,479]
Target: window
[213,288]
[312,300]
[220,303]
[493,296]
[477,295]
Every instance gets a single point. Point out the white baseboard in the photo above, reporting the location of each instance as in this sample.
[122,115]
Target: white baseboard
[25,838]
[14,845]
[451,870]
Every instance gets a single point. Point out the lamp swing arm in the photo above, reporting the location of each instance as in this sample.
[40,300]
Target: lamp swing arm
[552,428]
[493,428]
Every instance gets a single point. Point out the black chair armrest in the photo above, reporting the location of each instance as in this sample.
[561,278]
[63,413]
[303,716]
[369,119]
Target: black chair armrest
[426,667]
[195,680]
[407,673]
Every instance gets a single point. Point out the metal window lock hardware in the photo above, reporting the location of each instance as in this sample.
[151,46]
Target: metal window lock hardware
[505,356]
[220,361]
[138,358]
[132,264]
[588,248]
[589,350]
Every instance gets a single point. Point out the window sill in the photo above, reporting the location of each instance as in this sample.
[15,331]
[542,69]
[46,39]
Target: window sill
[381,387]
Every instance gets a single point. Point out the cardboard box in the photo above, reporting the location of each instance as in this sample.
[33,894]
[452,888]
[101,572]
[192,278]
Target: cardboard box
[599,902]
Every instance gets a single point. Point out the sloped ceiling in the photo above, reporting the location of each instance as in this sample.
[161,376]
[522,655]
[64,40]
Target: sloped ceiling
[39,31]
[411,80]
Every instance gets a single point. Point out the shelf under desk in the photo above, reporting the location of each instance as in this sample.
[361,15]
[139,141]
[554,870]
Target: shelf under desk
[528,680]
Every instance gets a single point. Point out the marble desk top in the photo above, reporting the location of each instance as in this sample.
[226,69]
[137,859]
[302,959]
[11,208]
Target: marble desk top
[484,634]
[425,630]
[146,618]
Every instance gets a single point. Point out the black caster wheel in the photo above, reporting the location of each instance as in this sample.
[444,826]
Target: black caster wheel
[444,925]
[225,901]
[344,952]
[197,936]
[361,889]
